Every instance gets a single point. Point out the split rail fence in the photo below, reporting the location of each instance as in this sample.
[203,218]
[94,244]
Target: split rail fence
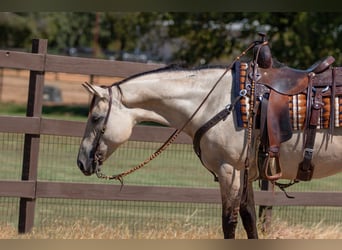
[33,125]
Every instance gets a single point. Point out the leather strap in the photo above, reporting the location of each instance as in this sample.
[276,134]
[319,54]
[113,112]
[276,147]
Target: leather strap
[306,167]
[222,115]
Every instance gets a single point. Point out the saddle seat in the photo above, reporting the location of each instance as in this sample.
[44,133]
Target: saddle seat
[289,81]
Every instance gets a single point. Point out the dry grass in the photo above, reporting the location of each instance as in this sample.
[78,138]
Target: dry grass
[281,230]
[86,229]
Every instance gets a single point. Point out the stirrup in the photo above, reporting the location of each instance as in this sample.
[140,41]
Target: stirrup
[267,167]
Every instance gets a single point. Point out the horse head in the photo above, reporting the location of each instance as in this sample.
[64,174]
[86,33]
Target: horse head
[108,126]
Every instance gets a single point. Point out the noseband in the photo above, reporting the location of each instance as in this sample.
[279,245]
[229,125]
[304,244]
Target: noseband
[94,154]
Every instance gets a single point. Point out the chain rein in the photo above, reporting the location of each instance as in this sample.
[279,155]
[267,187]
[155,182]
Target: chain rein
[174,135]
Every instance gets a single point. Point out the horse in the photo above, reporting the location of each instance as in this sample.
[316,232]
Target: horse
[169,96]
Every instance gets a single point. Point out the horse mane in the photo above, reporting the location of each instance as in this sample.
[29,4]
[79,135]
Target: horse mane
[171,67]
[163,69]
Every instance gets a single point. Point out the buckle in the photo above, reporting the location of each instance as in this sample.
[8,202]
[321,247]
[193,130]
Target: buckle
[243,92]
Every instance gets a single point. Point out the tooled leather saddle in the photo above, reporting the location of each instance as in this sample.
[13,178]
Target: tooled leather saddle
[269,86]
[273,85]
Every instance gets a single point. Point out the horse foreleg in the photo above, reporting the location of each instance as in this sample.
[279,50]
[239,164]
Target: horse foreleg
[247,211]
[229,220]
[229,180]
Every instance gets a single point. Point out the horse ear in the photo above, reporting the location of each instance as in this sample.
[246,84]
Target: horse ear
[93,89]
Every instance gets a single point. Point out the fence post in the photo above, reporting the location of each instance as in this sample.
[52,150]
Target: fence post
[1,82]
[31,143]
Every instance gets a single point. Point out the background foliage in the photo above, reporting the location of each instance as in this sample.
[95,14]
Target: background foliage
[297,38]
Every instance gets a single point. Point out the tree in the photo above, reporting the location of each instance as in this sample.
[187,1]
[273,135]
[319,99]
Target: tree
[66,29]
[122,31]
[300,39]
[297,39]
[206,36]
[14,29]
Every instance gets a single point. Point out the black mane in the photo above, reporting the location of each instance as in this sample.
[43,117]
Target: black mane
[171,67]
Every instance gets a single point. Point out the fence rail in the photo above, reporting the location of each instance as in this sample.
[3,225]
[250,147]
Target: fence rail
[44,189]
[75,65]
[33,125]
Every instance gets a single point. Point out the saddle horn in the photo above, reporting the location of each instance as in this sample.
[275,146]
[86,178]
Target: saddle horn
[262,53]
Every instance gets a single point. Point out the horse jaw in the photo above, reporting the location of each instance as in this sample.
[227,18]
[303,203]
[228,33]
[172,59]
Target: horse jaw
[143,115]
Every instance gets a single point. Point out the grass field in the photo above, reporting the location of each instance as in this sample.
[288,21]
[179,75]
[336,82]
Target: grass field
[178,166]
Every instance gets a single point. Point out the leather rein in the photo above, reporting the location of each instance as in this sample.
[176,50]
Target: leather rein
[222,115]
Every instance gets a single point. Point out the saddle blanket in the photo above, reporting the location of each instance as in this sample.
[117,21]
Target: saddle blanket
[297,105]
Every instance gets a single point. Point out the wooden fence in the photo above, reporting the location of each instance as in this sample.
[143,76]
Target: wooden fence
[33,125]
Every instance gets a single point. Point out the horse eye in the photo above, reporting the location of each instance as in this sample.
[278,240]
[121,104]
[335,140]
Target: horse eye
[96,118]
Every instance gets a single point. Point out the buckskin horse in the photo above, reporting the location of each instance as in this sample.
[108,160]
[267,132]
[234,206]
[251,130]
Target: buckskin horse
[179,98]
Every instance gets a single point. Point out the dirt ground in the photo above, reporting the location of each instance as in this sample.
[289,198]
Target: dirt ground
[14,86]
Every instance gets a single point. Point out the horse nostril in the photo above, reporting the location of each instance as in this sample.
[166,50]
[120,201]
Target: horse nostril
[80,165]
[82,168]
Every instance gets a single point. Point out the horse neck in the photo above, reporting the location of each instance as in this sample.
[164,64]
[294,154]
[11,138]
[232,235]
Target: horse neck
[170,98]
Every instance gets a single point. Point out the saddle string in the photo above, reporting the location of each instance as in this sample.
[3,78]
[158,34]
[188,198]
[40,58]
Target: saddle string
[174,135]
[332,104]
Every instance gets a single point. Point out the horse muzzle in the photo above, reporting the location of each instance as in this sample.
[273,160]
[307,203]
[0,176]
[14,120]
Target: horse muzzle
[92,168]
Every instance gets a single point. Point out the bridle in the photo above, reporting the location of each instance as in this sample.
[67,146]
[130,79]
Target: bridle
[94,154]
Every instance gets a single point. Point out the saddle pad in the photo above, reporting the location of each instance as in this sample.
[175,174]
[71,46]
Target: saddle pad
[242,112]
[297,108]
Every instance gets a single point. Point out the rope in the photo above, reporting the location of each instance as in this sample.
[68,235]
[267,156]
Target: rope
[120,176]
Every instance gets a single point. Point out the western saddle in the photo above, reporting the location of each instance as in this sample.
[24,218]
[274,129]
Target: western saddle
[269,86]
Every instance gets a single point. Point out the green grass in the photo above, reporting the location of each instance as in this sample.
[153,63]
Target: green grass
[12,109]
[65,112]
